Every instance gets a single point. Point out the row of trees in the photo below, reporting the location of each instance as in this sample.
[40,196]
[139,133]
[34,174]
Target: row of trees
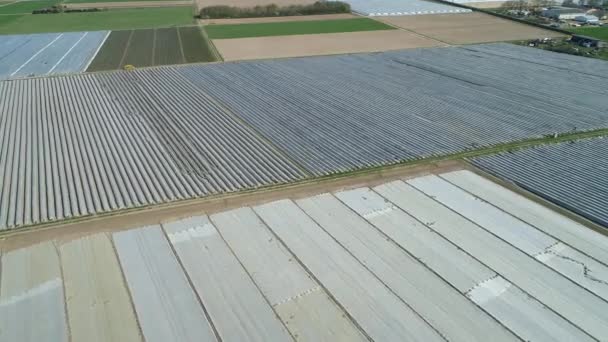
[319,7]
[64,9]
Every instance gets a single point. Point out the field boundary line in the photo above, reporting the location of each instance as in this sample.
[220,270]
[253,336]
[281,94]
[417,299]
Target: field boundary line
[10,3]
[212,47]
[68,52]
[536,198]
[181,44]
[124,53]
[154,46]
[97,51]
[36,54]
[410,30]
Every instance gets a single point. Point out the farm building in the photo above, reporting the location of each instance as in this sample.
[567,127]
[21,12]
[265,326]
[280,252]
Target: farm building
[562,13]
[587,19]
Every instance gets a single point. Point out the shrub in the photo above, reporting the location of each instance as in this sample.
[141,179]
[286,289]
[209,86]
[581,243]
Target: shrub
[64,9]
[272,10]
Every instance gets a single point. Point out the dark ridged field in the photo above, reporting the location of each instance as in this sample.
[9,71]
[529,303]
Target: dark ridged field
[140,52]
[196,47]
[152,47]
[111,53]
[168,49]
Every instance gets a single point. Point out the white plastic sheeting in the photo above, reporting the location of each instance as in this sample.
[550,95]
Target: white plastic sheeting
[421,259]
[402,7]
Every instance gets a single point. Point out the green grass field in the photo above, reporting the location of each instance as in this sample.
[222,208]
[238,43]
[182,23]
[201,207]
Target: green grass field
[294,27]
[6,20]
[91,1]
[118,19]
[152,47]
[25,7]
[595,32]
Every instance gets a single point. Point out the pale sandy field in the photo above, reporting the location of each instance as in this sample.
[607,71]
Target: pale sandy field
[319,44]
[468,28]
[277,19]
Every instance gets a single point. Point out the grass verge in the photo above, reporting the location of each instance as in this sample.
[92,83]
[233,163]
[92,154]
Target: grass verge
[26,7]
[294,27]
[118,19]
[595,32]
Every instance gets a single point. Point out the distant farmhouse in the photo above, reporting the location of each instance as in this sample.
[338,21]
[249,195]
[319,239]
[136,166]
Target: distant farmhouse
[562,13]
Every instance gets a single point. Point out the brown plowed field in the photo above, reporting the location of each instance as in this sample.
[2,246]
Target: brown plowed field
[468,28]
[277,19]
[319,44]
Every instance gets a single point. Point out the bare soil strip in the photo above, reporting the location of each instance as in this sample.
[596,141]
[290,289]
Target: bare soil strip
[319,44]
[277,19]
[129,4]
[212,204]
[468,28]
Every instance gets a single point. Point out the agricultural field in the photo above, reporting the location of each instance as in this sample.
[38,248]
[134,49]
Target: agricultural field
[468,28]
[128,4]
[182,132]
[294,28]
[95,1]
[424,103]
[278,19]
[319,44]
[401,7]
[421,252]
[48,53]
[151,47]
[24,7]
[571,174]
[251,3]
[595,32]
[116,19]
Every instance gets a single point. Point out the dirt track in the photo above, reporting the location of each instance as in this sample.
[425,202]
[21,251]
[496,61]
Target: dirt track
[319,44]
[130,4]
[468,28]
[277,19]
[213,204]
